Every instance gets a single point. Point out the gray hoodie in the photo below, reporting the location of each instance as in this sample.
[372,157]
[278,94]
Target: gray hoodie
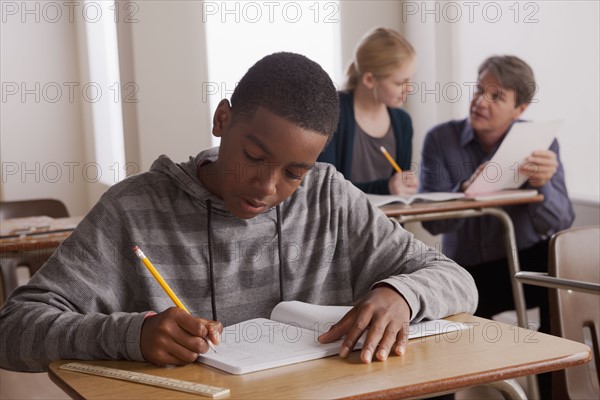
[90,298]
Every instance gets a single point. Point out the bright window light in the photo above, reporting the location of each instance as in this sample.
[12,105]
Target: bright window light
[239,33]
[103,92]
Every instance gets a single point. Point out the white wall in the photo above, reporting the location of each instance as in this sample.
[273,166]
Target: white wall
[358,17]
[42,134]
[49,135]
[169,67]
[560,41]
[166,47]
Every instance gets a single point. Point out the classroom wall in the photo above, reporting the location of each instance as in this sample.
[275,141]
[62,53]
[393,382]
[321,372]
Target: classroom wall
[560,40]
[47,141]
[169,67]
[162,52]
[358,17]
[41,146]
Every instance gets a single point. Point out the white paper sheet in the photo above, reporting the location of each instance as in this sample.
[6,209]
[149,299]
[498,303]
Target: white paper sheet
[502,172]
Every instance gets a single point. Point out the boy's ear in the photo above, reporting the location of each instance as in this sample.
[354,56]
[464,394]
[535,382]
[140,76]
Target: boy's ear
[222,118]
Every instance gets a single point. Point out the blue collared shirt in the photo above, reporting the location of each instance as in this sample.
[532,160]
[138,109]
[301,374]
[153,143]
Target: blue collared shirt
[451,153]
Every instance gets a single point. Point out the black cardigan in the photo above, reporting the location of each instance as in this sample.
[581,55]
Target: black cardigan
[339,150]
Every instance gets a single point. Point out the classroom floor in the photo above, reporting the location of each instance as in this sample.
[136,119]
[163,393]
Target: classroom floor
[22,386]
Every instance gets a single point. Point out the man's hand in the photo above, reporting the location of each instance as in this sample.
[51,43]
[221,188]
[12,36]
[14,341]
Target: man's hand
[175,337]
[404,184]
[384,314]
[540,167]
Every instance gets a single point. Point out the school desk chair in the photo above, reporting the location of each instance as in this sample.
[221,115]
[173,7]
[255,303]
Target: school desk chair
[20,209]
[574,275]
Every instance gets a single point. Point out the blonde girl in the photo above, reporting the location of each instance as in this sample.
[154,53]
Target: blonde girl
[378,81]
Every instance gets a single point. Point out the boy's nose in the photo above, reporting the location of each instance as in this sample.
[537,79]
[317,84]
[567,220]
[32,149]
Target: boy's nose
[266,183]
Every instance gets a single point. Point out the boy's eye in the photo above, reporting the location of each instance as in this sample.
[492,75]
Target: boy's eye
[292,175]
[251,157]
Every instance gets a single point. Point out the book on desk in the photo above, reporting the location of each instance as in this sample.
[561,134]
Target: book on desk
[379,200]
[290,336]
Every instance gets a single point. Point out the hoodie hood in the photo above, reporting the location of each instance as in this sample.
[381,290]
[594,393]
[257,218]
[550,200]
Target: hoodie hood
[186,177]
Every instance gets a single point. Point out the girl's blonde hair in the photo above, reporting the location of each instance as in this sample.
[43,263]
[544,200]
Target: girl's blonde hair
[380,52]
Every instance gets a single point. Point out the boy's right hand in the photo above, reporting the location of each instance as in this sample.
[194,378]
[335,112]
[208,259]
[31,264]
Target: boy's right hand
[175,337]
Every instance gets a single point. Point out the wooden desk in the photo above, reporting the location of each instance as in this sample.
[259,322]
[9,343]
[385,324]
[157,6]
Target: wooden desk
[52,233]
[489,351]
[401,210]
[27,248]
[468,209]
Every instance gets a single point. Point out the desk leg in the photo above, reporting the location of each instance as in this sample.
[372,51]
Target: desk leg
[510,242]
[512,256]
[510,389]
[8,266]
[512,253]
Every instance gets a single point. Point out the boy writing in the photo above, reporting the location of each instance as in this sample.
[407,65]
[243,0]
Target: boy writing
[234,231]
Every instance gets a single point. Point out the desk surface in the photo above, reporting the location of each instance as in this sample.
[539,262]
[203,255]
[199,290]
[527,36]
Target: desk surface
[489,351]
[398,209]
[46,236]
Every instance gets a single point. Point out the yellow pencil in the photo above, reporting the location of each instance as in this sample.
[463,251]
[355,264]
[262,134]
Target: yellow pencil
[164,285]
[390,159]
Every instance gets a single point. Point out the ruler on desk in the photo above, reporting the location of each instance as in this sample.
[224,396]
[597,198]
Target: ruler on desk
[147,379]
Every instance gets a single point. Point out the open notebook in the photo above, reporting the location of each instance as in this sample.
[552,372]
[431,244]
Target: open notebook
[383,199]
[290,337]
[379,200]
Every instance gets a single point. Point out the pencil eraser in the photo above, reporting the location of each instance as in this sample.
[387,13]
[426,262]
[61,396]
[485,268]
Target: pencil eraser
[136,248]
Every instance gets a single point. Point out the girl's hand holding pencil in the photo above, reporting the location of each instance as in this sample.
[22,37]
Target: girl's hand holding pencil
[402,183]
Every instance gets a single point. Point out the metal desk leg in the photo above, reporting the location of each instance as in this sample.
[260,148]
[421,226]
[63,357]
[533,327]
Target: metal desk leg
[8,267]
[512,255]
[510,389]
[510,243]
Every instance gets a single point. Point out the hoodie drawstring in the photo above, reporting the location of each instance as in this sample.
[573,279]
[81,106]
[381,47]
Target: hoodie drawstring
[210,258]
[279,246]
[210,263]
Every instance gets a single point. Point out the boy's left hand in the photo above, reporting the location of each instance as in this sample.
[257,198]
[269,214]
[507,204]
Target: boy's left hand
[385,314]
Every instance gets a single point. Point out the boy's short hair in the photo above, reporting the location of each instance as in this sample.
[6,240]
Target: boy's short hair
[291,86]
[513,74]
